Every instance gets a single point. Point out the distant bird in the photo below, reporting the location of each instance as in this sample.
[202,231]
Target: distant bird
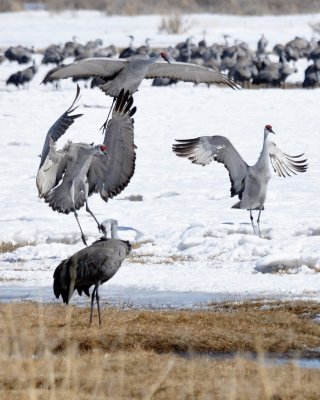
[90,266]
[67,177]
[53,55]
[145,49]
[312,75]
[128,51]
[248,182]
[262,45]
[20,78]
[19,53]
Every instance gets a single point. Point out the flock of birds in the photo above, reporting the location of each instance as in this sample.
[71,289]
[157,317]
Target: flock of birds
[67,177]
[248,67]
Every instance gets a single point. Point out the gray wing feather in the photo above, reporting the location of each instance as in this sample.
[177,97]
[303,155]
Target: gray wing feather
[60,198]
[100,67]
[60,127]
[51,170]
[204,149]
[188,73]
[100,261]
[110,174]
[284,164]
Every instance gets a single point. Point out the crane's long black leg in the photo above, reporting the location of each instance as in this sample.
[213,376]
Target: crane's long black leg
[98,305]
[258,221]
[92,300]
[82,235]
[104,126]
[251,218]
[100,227]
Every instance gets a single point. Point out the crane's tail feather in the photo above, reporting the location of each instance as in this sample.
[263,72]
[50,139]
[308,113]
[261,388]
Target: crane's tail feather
[61,281]
[60,199]
[237,205]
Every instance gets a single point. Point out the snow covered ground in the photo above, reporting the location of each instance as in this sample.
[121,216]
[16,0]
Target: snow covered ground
[194,247]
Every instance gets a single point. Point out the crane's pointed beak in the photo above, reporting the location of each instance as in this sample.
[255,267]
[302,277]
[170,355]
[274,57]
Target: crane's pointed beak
[165,56]
[104,149]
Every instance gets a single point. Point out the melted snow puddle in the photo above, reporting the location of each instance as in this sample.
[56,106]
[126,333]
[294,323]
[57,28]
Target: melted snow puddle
[312,361]
[122,297]
[133,297]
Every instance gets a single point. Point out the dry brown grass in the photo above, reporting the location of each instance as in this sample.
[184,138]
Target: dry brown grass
[147,375]
[173,24]
[245,328]
[9,247]
[165,7]
[49,352]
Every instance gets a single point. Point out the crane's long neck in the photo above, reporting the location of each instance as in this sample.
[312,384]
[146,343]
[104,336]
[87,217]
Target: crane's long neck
[263,161]
[114,230]
[111,226]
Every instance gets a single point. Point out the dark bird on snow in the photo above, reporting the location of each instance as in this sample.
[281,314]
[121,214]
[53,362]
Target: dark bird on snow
[91,266]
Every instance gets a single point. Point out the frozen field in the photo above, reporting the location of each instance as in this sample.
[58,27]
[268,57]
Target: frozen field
[194,247]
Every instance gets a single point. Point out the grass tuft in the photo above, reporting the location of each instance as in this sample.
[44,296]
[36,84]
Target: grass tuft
[9,247]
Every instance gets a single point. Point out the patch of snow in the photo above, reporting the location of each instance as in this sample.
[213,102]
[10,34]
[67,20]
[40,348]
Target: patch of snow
[193,247]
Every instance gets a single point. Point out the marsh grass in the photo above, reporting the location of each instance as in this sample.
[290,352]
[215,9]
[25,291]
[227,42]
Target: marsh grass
[165,7]
[50,352]
[9,247]
[173,24]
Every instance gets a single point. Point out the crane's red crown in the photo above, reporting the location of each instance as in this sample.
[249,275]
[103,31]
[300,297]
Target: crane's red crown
[103,147]
[269,127]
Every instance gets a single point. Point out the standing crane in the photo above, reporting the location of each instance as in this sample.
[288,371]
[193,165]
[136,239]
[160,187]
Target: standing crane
[67,177]
[92,265]
[249,183]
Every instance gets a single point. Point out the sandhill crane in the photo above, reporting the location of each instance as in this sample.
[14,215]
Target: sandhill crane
[128,73]
[92,265]
[128,51]
[312,75]
[67,177]
[19,53]
[262,45]
[20,78]
[273,74]
[248,182]
[53,55]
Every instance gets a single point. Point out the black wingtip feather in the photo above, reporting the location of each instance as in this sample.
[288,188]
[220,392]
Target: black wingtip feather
[132,112]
